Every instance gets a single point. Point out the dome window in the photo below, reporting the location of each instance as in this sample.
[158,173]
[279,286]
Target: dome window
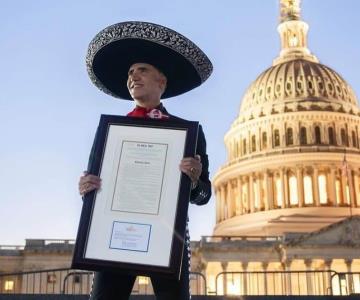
[288,86]
[354,139]
[321,85]
[253,143]
[317,135]
[330,87]
[264,140]
[289,137]
[244,146]
[303,138]
[344,138]
[256,194]
[310,84]
[276,138]
[293,41]
[235,145]
[331,136]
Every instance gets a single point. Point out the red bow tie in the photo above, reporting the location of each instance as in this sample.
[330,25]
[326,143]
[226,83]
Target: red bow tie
[152,113]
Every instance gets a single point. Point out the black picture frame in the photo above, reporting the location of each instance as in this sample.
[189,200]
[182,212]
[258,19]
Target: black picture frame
[170,128]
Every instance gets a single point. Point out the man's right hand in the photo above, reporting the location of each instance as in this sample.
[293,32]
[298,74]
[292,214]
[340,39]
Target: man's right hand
[88,183]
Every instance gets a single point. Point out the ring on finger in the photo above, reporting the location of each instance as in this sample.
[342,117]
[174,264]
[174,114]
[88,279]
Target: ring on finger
[192,170]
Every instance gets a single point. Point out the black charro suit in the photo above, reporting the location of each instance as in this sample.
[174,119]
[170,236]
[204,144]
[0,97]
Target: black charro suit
[115,286]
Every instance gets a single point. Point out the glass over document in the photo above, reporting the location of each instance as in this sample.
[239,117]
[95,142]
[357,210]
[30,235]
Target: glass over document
[139,177]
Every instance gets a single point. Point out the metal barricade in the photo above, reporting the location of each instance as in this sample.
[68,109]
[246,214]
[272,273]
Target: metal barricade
[54,281]
[76,282]
[289,283]
[346,283]
[286,283]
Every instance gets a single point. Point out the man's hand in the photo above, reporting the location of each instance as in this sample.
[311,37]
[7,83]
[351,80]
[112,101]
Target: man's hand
[192,167]
[88,183]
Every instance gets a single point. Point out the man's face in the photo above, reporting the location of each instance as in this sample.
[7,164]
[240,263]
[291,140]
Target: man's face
[145,82]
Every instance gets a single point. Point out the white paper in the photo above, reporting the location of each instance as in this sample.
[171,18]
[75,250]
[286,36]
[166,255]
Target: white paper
[139,177]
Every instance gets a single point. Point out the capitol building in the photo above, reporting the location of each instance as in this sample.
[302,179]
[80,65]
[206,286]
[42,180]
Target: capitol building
[287,197]
[298,122]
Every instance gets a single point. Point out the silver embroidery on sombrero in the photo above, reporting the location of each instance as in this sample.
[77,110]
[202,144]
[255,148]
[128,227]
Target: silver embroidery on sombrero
[151,32]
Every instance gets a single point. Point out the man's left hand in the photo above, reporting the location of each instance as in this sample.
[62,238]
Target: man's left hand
[192,167]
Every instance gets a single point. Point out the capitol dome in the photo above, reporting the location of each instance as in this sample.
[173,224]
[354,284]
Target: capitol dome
[294,150]
[298,85]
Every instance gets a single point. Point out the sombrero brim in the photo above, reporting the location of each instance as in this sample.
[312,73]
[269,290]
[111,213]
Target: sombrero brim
[117,47]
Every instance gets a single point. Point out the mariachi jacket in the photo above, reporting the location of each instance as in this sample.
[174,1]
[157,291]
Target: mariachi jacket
[201,194]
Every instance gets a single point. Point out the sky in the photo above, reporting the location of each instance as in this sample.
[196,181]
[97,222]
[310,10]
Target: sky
[49,109]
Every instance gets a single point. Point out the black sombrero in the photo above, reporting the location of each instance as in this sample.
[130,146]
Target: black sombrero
[117,47]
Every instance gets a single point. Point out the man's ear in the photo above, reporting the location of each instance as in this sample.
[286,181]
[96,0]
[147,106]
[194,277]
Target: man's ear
[162,82]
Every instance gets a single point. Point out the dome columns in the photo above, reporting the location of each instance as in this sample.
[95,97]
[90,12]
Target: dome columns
[308,265]
[239,198]
[357,187]
[224,266]
[221,208]
[283,187]
[267,191]
[332,185]
[218,204]
[230,200]
[302,186]
[351,182]
[251,193]
[345,189]
[316,187]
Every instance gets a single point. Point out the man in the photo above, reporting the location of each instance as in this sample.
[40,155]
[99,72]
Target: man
[153,70]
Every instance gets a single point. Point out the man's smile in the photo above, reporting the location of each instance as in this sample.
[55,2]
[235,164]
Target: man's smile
[136,85]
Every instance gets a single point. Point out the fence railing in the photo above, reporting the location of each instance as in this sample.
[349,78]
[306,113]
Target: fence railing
[45,282]
[296,283]
[347,283]
[291,283]
[76,282]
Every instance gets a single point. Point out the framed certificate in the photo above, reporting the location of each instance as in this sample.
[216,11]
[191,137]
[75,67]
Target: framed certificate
[136,222]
